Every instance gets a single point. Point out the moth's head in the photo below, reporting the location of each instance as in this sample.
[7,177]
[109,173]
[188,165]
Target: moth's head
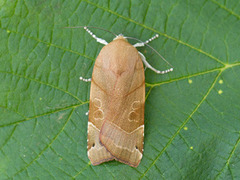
[120,36]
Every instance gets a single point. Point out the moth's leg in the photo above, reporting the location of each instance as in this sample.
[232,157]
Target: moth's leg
[146,42]
[100,40]
[84,79]
[147,65]
[87,113]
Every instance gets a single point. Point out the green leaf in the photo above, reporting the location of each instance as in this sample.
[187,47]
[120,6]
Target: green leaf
[192,122]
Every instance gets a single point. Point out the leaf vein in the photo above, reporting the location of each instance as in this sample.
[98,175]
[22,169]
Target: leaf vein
[183,124]
[228,10]
[33,117]
[229,157]
[162,34]
[44,83]
[47,146]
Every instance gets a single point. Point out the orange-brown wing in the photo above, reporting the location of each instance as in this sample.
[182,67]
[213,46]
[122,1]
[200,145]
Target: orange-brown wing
[97,153]
[122,132]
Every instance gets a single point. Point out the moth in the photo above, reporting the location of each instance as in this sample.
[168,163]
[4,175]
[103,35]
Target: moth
[117,99]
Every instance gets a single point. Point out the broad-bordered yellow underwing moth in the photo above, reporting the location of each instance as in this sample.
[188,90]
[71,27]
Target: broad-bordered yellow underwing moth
[117,99]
